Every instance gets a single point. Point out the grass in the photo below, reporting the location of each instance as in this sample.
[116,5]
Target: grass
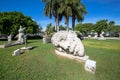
[42,63]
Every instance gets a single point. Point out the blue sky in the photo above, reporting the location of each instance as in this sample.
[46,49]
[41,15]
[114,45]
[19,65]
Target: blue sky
[97,10]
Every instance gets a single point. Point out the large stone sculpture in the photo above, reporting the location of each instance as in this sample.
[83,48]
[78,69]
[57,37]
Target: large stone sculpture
[20,36]
[67,44]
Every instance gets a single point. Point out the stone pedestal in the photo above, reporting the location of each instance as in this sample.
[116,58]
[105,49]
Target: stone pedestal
[70,56]
[26,48]
[2,46]
[46,40]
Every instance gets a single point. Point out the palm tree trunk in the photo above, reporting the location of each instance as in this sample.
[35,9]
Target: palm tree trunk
[67,24]
[73,22]
[57,24]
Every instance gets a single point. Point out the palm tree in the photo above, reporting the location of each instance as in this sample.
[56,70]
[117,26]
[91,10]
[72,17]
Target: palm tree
[78,11]
[56,7]
[48,8]
[65,10]
[51,9]
[74,9]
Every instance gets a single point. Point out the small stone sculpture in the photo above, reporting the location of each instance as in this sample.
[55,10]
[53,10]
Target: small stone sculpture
[89,36]
[20,36]
[96,35]
[101,36]
[10,39]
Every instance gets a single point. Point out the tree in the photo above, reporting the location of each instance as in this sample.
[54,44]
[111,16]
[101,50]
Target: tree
[117,30]
[111,26]
[74,9]
[78,11]
[10,22]
[78,27]
[87,28]
[66,8]
[66,11]
[62,27]
[49,30]
[84,28]
[51,9]
[100,26]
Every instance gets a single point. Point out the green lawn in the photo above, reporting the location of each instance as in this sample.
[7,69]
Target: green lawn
[42,63]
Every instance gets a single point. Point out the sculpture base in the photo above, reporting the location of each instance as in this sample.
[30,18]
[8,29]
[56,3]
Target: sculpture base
[101,39]
[70,56]
[2,46]
[47,40]
[26,48]
[6,45]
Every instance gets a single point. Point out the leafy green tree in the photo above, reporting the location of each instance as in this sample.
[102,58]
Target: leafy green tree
[117,30]
[49,30]
[84,28]
[10,22]
[100,26]
[62,27]
[111,26]
[88,27]
[78,27]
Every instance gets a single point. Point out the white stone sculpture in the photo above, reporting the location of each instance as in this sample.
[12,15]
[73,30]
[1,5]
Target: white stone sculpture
[96,35]
[101,36]
[20,36]
[89,35]
[10,38]
[68,43]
